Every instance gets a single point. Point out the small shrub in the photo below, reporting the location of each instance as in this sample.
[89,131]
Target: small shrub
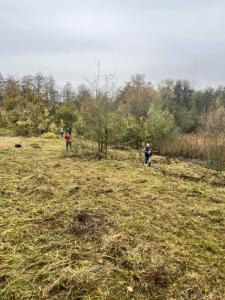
[5,132]
[53,128]
[49,135]
[161,128]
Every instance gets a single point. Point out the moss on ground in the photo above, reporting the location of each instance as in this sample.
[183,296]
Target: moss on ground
[73,227]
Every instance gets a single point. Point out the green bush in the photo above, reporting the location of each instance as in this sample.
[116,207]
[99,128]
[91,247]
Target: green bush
[158,128]
[81,126]
[53,128]
[67,114]
[161,128]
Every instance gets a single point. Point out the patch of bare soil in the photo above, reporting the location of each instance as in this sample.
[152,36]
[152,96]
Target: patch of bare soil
[87,222]
[103,190]
[74,190]
[36,146]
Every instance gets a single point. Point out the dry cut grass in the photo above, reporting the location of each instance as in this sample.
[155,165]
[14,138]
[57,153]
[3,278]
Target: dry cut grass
[73,227]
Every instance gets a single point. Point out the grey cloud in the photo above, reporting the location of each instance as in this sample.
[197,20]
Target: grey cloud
[162,38]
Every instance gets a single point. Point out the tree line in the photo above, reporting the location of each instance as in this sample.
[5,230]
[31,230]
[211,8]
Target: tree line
[98,110]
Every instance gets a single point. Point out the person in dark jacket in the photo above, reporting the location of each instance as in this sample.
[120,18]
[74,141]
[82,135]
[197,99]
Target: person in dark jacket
[148,154]
[69,130]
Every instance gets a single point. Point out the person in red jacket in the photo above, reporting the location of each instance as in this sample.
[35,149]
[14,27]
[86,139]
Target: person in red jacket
[68,139]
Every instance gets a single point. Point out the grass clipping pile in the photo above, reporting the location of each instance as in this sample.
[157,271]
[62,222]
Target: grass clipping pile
[73,228]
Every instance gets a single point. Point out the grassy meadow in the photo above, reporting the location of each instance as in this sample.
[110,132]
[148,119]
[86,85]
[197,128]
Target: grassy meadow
[73,227]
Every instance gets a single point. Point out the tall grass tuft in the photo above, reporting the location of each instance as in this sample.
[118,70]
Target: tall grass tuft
[200,146]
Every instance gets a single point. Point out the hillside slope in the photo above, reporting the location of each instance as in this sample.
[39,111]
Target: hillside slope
[76,228]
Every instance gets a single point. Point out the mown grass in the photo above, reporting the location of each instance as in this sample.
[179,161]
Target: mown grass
[73,227]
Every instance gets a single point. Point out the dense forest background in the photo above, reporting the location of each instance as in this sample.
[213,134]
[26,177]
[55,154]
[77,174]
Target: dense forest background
[175,117]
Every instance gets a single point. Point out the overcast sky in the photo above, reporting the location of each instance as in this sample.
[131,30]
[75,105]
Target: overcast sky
[160,38]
